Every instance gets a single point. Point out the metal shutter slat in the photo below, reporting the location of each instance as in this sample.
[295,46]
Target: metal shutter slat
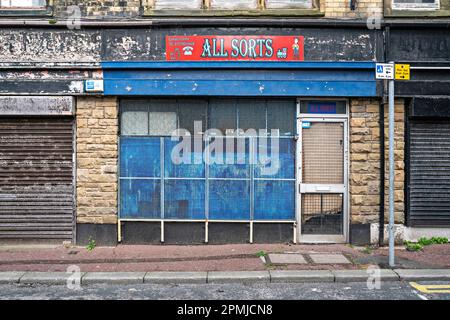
[36,179]
[429,174]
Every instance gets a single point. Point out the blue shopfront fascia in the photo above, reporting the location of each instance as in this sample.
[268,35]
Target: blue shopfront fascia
[251,79]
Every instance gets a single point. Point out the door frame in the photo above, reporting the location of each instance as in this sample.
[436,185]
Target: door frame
[342,118]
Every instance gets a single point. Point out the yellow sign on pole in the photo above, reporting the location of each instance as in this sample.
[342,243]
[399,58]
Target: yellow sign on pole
[402,72]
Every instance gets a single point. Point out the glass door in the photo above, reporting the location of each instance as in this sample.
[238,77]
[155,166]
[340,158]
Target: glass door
[322,171]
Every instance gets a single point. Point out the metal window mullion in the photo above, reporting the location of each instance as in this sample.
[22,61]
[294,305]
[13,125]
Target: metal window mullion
[206,157]
[252,184]
[162,186]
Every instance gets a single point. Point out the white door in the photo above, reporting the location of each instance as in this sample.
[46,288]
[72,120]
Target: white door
[322,177]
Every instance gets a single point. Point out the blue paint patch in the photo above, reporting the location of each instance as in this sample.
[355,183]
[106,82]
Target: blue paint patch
[139,157]
[274,200]
[183,163]
[184,199]
[140,199]
[229,200]
[276,159]
[234,162]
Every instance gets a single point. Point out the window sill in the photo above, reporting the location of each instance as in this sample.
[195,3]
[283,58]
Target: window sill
[41,12]
[417,13]
[315,12]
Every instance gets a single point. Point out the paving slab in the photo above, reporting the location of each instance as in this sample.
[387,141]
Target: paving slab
[238,276]
[329,258]
[46,277]
[301,276]
[363,275]
[175,277]
[286,258]
[10,277]
[113,277]
[423,274]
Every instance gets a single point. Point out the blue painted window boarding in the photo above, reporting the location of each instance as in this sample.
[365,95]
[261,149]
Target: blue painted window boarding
[253,179]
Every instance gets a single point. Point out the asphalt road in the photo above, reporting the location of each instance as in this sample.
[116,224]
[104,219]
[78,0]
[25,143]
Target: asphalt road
[305,291]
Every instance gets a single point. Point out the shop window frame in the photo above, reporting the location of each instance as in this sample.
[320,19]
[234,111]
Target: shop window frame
[315,11]
[46,10]
[252,177]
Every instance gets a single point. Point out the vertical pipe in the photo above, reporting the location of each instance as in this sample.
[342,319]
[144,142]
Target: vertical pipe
[162,231]
[391,173]
[382,176]
[206,232]
[251,231]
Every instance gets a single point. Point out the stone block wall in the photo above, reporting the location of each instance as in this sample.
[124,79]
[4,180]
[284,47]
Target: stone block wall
[97,158]
[365,161]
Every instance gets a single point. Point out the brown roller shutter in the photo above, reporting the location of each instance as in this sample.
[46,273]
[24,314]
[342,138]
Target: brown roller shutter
[429,174]
[36,179]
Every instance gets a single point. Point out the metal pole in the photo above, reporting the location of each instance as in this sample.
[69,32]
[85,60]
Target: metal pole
[391,173]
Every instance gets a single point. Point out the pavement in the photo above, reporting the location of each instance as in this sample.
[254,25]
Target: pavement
[204,258]
[218,264]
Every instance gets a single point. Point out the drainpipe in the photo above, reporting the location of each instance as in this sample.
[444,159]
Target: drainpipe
[382,174]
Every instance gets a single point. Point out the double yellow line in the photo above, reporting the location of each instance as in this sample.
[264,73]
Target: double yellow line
[431,288]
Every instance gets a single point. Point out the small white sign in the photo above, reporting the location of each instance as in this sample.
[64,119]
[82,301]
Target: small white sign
[384,71]
[94,85]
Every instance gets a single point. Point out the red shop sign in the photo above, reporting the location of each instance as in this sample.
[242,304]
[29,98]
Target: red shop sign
[235,48]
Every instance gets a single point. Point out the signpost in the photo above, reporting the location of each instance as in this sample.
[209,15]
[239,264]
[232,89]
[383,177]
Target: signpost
[385,71]
[389,71]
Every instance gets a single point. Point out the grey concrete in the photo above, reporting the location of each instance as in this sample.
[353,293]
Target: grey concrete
[286,258]
[238,276]
[397,290]
[329,258]
[37,105]
[113,277]
[46,277]
[175,277]
[363,275]
[423,274]
[10,277]
[301,276]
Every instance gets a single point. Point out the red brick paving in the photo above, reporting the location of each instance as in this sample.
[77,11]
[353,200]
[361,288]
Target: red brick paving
[190,258]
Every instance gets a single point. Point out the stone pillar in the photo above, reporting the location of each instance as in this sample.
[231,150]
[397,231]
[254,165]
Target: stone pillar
[365,165]
[97,159]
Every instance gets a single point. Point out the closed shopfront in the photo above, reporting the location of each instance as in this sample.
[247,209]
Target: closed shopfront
[429,163]
[36,178]
[231,161]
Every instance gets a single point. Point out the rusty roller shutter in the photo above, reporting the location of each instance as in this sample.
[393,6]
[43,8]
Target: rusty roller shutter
[429,176]
[36,179]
